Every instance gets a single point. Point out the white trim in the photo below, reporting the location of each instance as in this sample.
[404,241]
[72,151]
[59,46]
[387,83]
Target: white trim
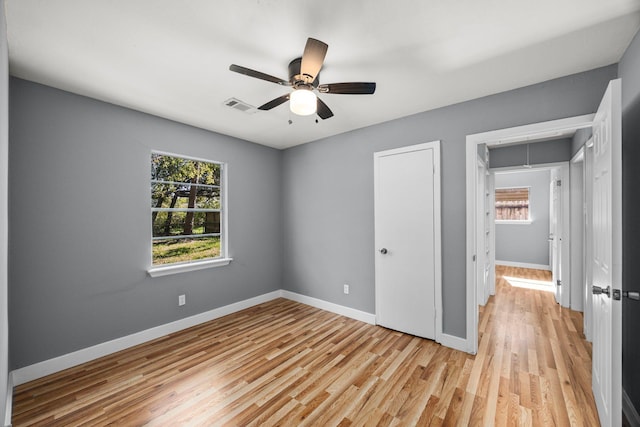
[513,221]
[531,131]
[454,342]
[532,168]
[342,310]
[524,265]
[156,271]
[497,137]
[191,266]
[437,221]
[183,156]
[629,410]
[8,406]
[47,367]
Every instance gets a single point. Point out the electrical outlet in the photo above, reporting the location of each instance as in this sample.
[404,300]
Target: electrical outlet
[345,288]
[182,300]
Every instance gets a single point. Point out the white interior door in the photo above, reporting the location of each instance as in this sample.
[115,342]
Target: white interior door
[482,239]
[588,240]
[407,236]
[606,260]
[555,233]
[577,227]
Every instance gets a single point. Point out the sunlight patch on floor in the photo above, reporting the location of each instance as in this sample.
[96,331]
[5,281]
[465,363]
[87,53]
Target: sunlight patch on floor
[538,285]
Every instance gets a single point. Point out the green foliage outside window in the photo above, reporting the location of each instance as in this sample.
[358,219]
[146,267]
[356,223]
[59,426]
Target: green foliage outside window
[186,203]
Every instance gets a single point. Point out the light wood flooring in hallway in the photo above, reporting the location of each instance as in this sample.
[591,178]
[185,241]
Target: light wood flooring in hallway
[285,363]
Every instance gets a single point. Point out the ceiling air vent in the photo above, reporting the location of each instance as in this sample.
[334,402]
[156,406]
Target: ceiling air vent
[240,105]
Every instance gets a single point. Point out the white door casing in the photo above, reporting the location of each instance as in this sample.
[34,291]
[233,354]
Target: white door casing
[606,260]
[482,238]
[495,138]
[554,233]
[577,231]
[559,234]
[588,240]
[407,227]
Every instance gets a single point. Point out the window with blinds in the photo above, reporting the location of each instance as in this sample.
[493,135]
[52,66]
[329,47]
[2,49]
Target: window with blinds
[512,204]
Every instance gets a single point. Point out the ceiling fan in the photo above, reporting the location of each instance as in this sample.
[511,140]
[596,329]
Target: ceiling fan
[304,77]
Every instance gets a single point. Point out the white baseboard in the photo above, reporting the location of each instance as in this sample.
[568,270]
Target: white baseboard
[48,367]
[629,410]
[524,265]
[454,342]
[8,408]
[362,316]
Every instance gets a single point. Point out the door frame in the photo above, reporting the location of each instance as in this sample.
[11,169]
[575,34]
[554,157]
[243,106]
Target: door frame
[498,137]
[562,174]
[482,281]
[578,266]
[437,224]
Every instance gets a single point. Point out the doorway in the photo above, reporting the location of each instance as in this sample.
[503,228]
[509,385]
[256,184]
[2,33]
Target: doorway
[606,259]
[520,134]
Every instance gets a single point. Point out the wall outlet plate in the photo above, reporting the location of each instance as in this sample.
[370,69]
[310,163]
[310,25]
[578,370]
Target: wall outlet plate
[345,288]
[182,300]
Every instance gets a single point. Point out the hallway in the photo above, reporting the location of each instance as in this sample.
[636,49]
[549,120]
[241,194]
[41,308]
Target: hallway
[540,363]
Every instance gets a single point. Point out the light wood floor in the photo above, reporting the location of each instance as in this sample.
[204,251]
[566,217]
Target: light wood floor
[284,363]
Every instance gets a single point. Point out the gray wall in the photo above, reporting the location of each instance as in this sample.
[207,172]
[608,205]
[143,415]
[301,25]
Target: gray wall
[328,189]
[579,139]
[629,71]
[79,211]
[558,150]
[526,243]
[4,167]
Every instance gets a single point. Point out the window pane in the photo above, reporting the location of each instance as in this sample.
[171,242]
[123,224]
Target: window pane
[182,190]
[176,169]
[179,196]
[168,251]
[512,204]
[185,223]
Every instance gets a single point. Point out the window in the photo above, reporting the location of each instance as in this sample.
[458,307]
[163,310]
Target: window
[512,204]
[187,211]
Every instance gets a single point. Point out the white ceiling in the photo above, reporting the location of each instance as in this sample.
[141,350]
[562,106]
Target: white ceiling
[171,58]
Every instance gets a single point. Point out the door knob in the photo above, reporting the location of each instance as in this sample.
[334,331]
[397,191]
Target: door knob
[597,290]
[383,251]
[631,295]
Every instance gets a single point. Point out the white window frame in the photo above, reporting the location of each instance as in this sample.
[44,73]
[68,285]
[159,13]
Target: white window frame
[223,259]
[515,221]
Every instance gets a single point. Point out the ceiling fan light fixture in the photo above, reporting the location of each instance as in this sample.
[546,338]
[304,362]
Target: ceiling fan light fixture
[303,102]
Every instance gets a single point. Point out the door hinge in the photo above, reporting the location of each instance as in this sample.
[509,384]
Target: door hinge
[474,258]
[559,282]
[559,183]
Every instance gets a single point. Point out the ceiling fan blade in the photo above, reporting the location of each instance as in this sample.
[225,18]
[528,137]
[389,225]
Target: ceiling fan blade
[274,102]
[323,111]
[257,74]
[312,59]
[359,88]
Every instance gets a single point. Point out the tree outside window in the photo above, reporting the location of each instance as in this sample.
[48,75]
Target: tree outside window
[186,209]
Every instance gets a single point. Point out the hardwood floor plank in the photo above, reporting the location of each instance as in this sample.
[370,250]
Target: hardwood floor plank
[285,363]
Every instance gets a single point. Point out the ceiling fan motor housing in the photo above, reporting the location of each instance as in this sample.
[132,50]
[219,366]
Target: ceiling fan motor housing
[297,80]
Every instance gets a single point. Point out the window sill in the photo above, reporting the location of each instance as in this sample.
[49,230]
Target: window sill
[514,221]
[166,270]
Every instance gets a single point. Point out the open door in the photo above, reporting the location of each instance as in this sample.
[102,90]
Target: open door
[483,228]
[555,233]
[606,260]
